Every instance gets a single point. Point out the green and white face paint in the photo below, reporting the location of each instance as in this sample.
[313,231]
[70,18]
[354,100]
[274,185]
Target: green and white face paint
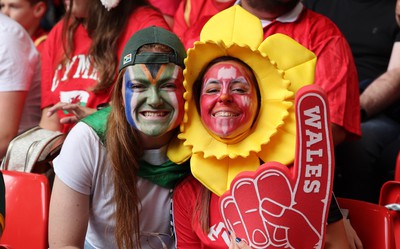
[153,97]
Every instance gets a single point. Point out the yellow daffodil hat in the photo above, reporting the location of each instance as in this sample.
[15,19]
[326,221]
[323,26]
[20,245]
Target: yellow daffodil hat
[281,66]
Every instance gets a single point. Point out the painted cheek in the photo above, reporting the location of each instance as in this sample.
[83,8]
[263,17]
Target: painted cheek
[244,102]
[179,109]
[248,106]
[179,100]
[207,103]
[176,101]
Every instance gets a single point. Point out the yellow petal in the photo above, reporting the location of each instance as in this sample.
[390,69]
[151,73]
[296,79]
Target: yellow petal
[290,56]
[281,147]
[177,152]
[217,175]
[234,25]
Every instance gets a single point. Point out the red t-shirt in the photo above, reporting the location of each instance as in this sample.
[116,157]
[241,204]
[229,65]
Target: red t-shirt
[189,234]
[167,7]
[191,16]
[38,39]
[335,72]
[70,83]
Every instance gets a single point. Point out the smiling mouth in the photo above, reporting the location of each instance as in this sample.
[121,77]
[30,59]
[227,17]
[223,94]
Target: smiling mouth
[154,114]
[223,114]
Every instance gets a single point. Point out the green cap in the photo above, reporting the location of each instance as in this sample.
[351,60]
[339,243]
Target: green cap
[152,35]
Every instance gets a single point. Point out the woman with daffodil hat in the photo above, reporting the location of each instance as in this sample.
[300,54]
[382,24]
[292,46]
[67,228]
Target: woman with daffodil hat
[279,67]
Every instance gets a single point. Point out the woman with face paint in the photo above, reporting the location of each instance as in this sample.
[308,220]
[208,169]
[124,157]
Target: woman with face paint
[239,113]
[81,55]
[114,179]
[228,98]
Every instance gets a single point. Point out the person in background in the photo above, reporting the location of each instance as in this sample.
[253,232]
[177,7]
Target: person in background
[28,13]
[81,55]
[116,178]
[55,11]
[19,81]
[167,8]
[362,165]
[190,17]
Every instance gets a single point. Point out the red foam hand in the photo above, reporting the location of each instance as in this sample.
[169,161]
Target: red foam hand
[286,207]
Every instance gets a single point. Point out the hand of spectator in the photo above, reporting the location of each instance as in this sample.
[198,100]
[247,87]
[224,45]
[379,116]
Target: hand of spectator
[78,112]
[237,243]
[354,240]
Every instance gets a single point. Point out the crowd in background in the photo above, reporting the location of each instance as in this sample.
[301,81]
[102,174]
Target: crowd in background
[59,65]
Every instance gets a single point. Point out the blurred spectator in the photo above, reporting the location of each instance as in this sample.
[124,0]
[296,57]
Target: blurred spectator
[81,57]
[55,11]
[191,15]
[168,9]
[375,44]
[29,14]
[19,81]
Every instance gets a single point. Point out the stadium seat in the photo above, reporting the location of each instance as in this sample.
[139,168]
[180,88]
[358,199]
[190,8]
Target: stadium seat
[27,209]
[372,222]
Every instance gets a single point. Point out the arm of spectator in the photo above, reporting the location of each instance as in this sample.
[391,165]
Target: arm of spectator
[68,218]
[385,90]
[381,93]
[337,236]
[11,108]
[394,61]
[354,240]
[49,122]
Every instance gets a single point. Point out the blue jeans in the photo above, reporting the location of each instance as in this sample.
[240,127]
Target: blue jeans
[362,166]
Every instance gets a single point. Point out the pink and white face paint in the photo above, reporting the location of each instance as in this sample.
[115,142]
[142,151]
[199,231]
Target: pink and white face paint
[228,101]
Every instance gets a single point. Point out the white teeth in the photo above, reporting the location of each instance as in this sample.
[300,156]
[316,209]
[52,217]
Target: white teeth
[225,114]
[154,114]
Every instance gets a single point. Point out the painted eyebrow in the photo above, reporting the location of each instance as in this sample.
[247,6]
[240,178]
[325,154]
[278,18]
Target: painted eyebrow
[241,79]
[212,81]
[143,79]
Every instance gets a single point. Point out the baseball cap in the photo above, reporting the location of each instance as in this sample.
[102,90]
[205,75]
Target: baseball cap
[153,35]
